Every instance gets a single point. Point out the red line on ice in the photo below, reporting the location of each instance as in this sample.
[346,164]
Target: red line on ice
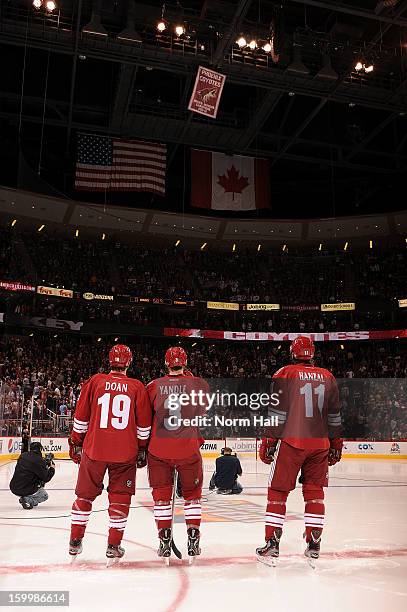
[29,569]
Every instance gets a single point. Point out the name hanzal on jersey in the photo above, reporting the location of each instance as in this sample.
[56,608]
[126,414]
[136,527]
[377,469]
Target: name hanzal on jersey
[318,376]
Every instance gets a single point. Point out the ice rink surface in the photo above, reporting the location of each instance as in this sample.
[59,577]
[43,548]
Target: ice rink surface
[363,565]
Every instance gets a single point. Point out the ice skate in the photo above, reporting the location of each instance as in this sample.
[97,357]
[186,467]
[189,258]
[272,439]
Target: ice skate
[194,549]
[164,549]
[313,547]
[75,549]
[113,554]
[268,554]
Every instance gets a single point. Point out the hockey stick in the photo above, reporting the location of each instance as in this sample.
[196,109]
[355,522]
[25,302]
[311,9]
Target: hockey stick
[176,551]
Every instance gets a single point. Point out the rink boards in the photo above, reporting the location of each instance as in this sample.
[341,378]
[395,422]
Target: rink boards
[10,448]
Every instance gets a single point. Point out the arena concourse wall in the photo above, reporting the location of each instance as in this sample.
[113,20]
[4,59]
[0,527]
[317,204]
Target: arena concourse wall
[245,447]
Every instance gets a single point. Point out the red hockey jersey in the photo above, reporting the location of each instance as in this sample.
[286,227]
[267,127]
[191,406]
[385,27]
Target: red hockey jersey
[112,417]
[308,412]
[171,438]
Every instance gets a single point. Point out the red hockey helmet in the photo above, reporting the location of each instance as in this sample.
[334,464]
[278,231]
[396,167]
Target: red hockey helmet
[175,357]
[302,348]
[120,355]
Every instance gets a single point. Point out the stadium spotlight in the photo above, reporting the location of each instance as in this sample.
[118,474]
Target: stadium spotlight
[320,246]
[234,247]
[345,247]
[342,347]
[103,236]
[370,244]
[99,339]
[41,228]
[258,247]
[14,221]
[77,234]
[359,66]
[161,26]
[241,42]
[37,4]
[116,339]
[203,246]
[267,47]
[178,242]
[369,68]
[50,6]
[252,44]
[179,30]
[284,247]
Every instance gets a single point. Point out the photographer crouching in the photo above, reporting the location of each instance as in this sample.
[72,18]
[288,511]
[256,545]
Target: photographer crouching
[32,472]
[227,471]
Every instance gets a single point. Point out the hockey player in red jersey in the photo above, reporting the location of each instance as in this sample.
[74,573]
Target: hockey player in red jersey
[307,439]
[111,428]
[175,446]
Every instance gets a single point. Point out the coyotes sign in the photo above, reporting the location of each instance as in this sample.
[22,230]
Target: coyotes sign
[229,182]
[207,92]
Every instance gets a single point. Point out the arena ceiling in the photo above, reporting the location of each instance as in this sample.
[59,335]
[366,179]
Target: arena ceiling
[336,137]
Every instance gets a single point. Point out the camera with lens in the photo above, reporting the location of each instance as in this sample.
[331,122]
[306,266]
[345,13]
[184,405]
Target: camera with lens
[49,458]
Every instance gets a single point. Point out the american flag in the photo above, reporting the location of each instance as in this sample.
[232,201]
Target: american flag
[115,164]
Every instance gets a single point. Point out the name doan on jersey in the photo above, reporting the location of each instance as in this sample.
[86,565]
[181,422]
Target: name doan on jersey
[116,386]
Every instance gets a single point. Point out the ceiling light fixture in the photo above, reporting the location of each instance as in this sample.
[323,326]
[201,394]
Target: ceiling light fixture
[179,30]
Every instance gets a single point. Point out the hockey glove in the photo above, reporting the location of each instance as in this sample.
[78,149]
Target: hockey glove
[335,451]
[267,450]
[141,458]
[75,451]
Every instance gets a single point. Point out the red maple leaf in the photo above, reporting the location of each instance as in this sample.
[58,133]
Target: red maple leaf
[233,183]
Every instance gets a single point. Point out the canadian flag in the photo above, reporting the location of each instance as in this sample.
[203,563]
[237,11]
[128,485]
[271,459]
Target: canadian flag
[229,182]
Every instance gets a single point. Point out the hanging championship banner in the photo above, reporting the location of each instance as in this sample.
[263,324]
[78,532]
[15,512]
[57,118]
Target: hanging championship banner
[207,92]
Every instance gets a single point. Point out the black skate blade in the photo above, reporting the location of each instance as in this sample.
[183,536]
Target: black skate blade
[269,561]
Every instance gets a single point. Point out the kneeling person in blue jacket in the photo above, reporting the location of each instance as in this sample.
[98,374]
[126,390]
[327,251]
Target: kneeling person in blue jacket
[227,471]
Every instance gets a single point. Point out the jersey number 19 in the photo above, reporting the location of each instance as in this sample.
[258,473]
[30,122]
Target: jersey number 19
[120,411]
